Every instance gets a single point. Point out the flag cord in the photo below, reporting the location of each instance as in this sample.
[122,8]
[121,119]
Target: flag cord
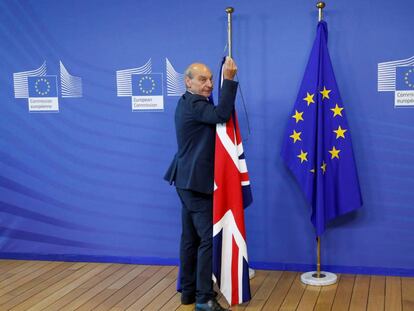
[244,109]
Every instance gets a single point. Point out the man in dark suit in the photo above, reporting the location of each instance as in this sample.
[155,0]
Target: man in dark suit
[192,172]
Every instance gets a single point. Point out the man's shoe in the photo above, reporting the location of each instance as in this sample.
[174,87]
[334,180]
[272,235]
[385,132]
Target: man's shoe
[211,305]
[187,300]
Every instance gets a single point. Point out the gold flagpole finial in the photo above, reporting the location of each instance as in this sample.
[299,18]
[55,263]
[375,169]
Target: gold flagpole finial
[229,11]
[320,5]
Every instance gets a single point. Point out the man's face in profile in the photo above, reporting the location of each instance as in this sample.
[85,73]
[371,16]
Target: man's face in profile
[201,82]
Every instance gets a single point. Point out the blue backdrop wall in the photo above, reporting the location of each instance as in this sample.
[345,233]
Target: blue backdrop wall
[85,182]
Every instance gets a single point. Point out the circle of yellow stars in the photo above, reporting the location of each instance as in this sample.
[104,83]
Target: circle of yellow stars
[42,86]
[407,76]
[340,132]
[145,80]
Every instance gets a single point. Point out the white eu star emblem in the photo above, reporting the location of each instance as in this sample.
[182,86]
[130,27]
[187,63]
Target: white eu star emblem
[146,85]
[42,86]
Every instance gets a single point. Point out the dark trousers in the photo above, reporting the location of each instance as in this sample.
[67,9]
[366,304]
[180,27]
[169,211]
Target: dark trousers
[196,245]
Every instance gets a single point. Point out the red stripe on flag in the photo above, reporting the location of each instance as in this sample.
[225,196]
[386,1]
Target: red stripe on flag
[244,176]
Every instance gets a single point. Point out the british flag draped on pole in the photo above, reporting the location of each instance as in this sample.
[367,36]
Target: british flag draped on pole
[231,195]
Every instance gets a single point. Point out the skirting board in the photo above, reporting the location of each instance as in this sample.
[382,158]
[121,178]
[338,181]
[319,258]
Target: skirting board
[174,261]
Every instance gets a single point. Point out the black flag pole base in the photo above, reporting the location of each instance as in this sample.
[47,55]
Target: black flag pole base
[323,279]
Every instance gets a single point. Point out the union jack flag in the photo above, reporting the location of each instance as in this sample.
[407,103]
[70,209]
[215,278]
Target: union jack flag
[231,195]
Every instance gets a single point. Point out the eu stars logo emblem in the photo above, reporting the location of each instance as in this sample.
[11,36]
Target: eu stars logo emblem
[147,92]
[146,85]
[404,93]
[43,93]
[405,78]
[42,86]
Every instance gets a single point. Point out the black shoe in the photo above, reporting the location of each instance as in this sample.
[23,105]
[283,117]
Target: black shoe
[187,300]
[211,305]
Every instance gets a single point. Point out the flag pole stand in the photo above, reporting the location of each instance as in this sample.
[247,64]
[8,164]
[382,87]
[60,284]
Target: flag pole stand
[318,277]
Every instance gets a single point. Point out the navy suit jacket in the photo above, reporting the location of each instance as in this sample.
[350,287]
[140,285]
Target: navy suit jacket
[195,123]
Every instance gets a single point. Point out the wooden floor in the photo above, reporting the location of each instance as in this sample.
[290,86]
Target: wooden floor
[42,285]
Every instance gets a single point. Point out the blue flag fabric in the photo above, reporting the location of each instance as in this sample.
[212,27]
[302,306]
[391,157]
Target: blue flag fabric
[317,145]
[42,86]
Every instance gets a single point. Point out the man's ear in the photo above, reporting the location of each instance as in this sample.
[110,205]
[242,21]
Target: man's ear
[188,82]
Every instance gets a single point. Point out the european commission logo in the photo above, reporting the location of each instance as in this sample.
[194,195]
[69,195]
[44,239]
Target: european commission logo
[41,90]
[43,93]
[146,89]
[398,77]
[142,86]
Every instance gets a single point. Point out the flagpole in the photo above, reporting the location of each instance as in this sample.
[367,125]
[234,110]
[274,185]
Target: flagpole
[317,277]
[318,255]
[229,11]
[320,5]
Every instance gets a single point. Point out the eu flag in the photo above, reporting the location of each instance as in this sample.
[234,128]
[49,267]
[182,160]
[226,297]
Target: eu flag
[147,84]
[42,86]
[404,78]
[317,144]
